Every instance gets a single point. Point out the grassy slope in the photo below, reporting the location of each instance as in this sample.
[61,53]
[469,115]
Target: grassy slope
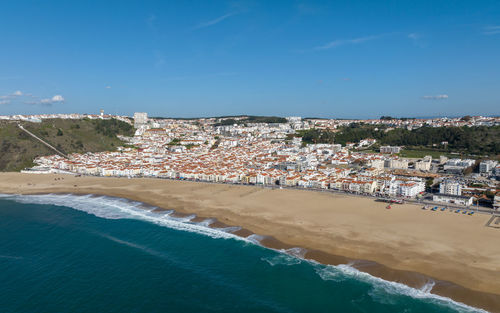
[17,149]
[413,153]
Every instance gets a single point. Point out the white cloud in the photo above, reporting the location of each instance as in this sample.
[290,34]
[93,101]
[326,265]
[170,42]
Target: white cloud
[436,97]
[108,87]
[413,36]
[19,94]
[491,30]
[341,42]
[215,21]
[417,39]
[58,98]
[16,93]
[54,99]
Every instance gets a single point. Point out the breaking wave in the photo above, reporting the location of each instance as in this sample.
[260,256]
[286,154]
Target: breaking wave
[118,208]
[380,288]
[282,259]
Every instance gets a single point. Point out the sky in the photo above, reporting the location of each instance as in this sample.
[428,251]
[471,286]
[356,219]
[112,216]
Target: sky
[335,59]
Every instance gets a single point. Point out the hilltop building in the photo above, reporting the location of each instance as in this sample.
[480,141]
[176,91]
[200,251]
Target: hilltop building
[140,119]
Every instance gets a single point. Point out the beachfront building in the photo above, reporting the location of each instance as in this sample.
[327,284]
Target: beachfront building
[411,189]
[453,199]
[400,187]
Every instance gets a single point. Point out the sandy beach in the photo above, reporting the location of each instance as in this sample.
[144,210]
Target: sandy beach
[404,243]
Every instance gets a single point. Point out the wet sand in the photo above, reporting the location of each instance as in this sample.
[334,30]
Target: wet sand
[404,244]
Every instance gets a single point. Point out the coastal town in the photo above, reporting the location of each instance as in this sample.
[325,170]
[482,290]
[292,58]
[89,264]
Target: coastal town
[270,154]
[250,156]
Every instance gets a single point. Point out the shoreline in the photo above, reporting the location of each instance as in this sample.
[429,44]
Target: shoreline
[273,231]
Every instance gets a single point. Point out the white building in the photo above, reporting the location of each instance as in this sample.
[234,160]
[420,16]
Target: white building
[411,189]
[390,149]
[402,188]
[400,164]
[294,119]
[463,200]
[451,187]
[140,119]
[423,165]
[377,163]
[457,166]
[487,166]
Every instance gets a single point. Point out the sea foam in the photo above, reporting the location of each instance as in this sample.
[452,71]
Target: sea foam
[380,288]
[117,208]
[282,259]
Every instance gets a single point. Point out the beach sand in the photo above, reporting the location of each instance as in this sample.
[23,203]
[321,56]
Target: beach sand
[404,244]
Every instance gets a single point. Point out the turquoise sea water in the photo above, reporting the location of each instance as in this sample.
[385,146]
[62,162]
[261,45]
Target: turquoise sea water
[66,253]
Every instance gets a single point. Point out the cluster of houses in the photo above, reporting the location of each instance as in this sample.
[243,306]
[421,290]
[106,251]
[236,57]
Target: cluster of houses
[188,153]
[258,154]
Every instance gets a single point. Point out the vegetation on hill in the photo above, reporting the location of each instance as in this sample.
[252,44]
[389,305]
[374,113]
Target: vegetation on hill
[479,140]
[388,118]
[251,119]
[316,136]
[232,119]
[113,127]
[18,149]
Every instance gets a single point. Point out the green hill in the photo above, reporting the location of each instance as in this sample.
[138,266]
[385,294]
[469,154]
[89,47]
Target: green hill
[18,149]
[478,141]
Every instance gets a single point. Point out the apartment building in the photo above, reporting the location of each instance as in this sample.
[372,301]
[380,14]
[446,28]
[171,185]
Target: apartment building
[450,187]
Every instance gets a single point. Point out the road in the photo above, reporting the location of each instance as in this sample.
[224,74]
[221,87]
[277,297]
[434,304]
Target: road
[42,141]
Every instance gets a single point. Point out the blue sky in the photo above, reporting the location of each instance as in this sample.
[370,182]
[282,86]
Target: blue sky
[206,58]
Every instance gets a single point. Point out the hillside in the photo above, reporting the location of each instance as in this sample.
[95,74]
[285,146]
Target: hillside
[18,149]
[249,119]
[480,140]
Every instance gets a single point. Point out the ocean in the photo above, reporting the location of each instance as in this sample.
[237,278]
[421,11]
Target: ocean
[69,253]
